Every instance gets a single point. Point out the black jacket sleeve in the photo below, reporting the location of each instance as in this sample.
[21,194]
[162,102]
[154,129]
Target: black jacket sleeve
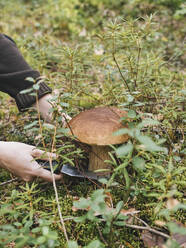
[13,73]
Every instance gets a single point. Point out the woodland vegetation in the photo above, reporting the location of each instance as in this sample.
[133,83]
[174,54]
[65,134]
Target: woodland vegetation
[123,53]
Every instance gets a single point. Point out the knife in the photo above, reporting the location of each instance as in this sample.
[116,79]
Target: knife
[69,170]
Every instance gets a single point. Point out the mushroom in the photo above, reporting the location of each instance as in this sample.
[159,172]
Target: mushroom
[95,127]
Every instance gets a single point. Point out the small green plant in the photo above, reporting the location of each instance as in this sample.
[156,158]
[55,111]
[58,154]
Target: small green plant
[128,54]
[22,229]
[98,212]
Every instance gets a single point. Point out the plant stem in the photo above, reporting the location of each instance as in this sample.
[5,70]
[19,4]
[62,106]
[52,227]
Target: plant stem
[138,59]
[114,58]
[51,169]
[55,189]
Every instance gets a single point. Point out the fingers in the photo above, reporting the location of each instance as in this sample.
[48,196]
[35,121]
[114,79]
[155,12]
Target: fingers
[37,153]
[43,173]
[46,175]
[38,171]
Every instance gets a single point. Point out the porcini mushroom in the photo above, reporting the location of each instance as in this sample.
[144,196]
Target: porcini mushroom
[95,127]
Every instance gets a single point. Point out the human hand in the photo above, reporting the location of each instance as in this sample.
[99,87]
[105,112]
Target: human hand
[18,158]
[45,106]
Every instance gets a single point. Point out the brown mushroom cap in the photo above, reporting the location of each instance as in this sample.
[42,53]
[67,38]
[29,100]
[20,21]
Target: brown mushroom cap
[96,126]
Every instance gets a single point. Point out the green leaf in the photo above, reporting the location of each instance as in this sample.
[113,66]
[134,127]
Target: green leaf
[103,180]
[36,86]
[124,150]
[64,104]
[119,223]
[130,98]
[48,126]
[121,131]
[148,122]
[149,144]
[36,230]
[131,114]
[122,217]
[72,244]
[45,230]
[30,79]
[138,163]
[41,240]
[175,228]
[82,203]
[119,206]
[95,244]
[179,206]
[17,224]
[26,91]
[30,125]
[33,94]
[63,130]
[80,219]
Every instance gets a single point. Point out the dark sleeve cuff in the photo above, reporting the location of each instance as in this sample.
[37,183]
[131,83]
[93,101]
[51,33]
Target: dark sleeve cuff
[25,101]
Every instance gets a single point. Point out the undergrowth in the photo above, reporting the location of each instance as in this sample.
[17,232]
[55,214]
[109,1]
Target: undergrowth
[98,53]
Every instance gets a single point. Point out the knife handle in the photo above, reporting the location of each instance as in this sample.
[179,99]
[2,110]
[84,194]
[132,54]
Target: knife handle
[46,165]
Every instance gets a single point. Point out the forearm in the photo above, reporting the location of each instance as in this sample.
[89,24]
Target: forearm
[13,73]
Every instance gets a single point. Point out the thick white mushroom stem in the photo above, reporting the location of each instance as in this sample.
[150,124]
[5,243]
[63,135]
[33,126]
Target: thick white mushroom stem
[97,157]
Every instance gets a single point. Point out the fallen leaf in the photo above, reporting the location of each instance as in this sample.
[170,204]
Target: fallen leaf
[108,199]
[180,238]
[130,211]
[152,240]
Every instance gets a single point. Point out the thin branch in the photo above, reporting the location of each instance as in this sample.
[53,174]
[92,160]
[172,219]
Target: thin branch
[146,227]
[9,181]
[51,167]
[101,236]
[121,73]
[138,59]
[55,189]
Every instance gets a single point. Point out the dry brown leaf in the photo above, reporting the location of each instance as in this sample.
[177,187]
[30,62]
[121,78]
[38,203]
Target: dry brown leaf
[152,240]
[130,211]
[180,238]
[108,199]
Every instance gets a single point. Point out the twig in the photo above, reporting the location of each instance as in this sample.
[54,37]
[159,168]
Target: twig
[138,59]
[148,229]
[169,138]
[101,236]
[55,189]
[51,169]
[9,181]
[121,73]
